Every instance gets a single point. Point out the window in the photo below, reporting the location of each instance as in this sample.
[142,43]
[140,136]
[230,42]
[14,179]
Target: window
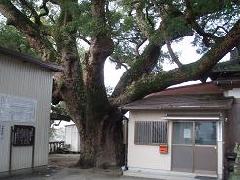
[182,133]
[205,133]
[150,132]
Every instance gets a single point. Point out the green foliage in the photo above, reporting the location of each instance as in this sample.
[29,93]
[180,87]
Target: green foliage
[214,16]
[11,38]
[218,21]
[176,25]
[60,108]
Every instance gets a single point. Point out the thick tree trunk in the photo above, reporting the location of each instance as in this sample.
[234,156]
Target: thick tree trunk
[101,142]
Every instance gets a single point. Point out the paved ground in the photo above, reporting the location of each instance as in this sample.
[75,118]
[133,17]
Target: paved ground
[63,160]
[70,174]
[61,168]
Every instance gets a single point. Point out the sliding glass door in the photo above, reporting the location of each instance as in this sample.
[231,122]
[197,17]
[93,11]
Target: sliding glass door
[194,147]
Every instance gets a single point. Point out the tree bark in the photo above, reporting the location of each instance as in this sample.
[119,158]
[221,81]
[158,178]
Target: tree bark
[101,142]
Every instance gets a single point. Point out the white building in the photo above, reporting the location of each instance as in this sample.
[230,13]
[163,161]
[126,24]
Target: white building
[72,138]
[25,99]
[185,132]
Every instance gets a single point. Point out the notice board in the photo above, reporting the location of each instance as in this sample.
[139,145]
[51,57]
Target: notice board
[17,109]
[23,135]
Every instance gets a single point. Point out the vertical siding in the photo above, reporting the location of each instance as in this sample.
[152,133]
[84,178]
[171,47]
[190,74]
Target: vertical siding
[4,148]
[30,81]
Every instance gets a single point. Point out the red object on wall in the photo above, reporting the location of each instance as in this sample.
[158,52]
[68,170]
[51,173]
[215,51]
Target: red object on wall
[163,148]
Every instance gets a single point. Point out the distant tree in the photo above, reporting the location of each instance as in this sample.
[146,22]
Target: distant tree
[129,33]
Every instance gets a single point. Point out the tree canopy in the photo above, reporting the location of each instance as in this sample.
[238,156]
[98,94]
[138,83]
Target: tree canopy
[131,34]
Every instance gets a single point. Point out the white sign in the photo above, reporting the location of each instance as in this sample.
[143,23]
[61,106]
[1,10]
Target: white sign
[17,109]
[187,133]
[2,129]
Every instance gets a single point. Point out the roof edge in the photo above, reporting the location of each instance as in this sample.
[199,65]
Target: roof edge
[30,59]
[143,104]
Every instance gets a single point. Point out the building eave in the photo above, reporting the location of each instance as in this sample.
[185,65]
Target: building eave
[26,58]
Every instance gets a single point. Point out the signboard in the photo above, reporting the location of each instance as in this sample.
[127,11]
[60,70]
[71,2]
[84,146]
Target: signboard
[17,109]
[187,133]
[23,135]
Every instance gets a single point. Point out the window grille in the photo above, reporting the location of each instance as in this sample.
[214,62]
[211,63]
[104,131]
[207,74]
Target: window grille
[150,132]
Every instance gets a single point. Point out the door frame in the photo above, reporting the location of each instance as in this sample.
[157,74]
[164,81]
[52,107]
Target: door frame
[193,142]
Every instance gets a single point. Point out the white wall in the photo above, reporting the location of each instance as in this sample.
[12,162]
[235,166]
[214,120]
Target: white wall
[72,138]
[235,92]
[147,156]
[21,79]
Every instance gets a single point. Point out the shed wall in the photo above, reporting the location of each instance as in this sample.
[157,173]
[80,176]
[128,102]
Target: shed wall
[29,81]
[145,156]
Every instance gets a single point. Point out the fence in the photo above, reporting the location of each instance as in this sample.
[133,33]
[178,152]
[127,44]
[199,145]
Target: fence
[56,146]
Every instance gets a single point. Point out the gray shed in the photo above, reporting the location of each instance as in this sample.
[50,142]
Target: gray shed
[25,98]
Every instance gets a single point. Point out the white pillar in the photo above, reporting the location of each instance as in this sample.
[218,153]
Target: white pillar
[220,152]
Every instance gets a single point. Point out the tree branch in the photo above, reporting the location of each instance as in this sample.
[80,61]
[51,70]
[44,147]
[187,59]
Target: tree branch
[45,8]
[56,93]
[193,71]
[138,45]
[69,84]
[118,62]
[34,33]
[191,19]
[100,48]
[146,28]
[172,54]
[143,65]
[84,39]
[55,2]
[31,8]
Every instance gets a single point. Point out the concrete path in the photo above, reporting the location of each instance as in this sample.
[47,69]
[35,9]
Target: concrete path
[70,174]
[59,169]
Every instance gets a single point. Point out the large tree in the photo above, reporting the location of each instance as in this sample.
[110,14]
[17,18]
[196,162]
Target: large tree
[129,33]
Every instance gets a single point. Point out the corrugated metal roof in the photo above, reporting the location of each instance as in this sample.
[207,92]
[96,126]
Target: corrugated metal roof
[182,102]
[206,96]
[195,89]
[30,59]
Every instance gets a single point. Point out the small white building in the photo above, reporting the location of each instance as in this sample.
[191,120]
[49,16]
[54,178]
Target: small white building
[25,99]
[184,132]
[72,138]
